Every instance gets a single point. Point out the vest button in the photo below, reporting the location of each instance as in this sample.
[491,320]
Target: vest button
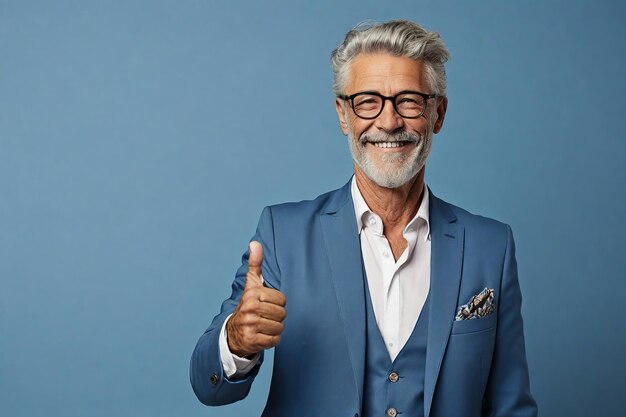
[391,412]
[393,377]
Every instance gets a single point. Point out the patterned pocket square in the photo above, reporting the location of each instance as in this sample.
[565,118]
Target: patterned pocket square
[479,306]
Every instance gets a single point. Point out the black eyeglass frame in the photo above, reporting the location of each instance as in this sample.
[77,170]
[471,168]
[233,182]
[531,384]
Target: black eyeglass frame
[425,96]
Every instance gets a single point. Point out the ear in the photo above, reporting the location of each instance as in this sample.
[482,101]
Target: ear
[341,114]
[441,114]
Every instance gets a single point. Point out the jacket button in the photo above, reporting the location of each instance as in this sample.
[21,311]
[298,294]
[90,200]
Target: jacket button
[391,412]
[393,377]
[214,379]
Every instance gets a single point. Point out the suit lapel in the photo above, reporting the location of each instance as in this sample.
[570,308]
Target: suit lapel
[344,254]
[447,239]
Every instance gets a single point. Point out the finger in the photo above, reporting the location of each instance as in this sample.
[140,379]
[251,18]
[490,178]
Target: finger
[272,296]
[255,261]
[269,327]
[272,312]
[263,341]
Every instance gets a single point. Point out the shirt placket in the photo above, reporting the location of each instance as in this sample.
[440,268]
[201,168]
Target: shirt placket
[392,296]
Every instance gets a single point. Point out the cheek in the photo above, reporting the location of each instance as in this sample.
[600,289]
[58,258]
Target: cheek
[355,132]
[359,126]
[422,126]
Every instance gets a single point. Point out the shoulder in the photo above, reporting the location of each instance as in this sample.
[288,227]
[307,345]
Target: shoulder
[307,209]
[487,243]
[477,227]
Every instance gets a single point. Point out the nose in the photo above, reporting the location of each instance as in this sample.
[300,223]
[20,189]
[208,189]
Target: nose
[389,120]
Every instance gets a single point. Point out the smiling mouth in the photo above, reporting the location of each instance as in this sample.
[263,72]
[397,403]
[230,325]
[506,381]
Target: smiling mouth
[395,144]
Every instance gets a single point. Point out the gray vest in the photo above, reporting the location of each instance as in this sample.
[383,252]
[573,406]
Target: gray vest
[396,388]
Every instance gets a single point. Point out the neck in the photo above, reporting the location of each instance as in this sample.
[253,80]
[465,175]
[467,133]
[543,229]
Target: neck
[395,206]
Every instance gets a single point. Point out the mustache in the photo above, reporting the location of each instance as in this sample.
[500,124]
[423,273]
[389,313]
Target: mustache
[402,136]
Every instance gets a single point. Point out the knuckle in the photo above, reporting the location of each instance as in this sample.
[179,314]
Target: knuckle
[254,319]
[245,309]
[265,294]
[242,320]
[250,306]
[250,293]
[250,336]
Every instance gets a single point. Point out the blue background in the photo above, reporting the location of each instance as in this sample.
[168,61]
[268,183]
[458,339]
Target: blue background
[139,141]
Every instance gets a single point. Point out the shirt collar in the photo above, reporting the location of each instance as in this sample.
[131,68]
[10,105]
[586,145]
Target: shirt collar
[361,210]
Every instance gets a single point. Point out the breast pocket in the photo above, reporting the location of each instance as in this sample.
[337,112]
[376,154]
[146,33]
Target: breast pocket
[475,325]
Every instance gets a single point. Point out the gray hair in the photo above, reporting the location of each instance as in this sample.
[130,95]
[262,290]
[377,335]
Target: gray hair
[398,38]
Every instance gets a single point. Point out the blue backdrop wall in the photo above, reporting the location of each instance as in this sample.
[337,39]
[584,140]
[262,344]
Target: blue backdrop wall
[133,168]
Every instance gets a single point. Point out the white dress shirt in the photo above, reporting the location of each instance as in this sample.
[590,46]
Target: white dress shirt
[398,289]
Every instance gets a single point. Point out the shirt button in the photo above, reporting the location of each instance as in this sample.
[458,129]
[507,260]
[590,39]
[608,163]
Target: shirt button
[391,412]
[372,222]
[393,377]
[386,254]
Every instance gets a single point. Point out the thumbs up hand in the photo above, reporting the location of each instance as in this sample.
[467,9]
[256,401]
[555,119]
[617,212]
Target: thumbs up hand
[257,322]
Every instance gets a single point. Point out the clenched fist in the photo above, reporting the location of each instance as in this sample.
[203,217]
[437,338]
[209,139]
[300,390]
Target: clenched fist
[257,321]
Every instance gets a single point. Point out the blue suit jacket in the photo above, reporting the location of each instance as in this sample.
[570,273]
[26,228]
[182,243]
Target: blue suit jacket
[312,254]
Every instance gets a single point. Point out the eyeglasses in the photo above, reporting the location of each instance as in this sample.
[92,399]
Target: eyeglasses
[369,104]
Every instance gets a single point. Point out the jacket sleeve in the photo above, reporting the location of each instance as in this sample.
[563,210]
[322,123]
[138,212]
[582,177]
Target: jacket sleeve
[508,387]
[206,374]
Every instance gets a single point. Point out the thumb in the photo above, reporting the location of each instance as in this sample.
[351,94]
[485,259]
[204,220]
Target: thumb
[255,260]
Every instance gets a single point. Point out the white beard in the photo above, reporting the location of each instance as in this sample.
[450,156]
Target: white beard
[393,169]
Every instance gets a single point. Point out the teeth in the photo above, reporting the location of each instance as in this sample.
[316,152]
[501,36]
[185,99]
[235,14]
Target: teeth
[389,144]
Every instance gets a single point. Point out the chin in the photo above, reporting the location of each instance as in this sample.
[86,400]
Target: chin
[390,178]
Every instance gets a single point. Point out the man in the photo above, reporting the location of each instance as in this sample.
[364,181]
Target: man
[399,303]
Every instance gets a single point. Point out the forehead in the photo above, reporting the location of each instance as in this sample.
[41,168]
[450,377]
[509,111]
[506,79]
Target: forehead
[386,74]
